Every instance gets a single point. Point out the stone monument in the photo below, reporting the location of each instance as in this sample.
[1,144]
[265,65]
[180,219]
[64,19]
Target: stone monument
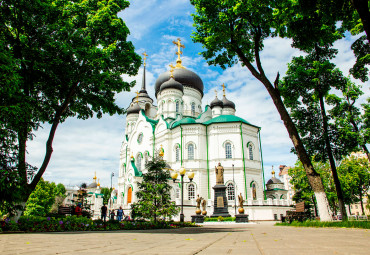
[241,217]
[198,218]
[220,199]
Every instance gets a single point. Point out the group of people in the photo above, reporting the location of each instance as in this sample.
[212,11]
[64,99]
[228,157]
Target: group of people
[112,214]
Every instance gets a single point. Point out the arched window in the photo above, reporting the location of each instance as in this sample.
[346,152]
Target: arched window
[177,106]
[190,151]
[250,152]
[230,192]
[129,195]
[177,193]
[177,153]
[191,191]
[192,109]
[138,162]
[228,150]
[254,191]
[146,157]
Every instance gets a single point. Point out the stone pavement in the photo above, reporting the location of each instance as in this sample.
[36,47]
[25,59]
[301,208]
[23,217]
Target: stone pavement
[260,238]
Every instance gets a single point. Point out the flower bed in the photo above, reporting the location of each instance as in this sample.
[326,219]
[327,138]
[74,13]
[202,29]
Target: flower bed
[74,223]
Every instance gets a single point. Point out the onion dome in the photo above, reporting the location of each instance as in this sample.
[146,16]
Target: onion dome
[92,185]
[184,76]
[172,84]
[227,103]
[216,102]
[273,180]
[133,109]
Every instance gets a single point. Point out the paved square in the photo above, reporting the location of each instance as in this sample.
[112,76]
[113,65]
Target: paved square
[261,238]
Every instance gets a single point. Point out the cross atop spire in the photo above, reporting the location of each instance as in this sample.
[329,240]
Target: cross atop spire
[179,52]
[145,55]
[216,92]
[223,88]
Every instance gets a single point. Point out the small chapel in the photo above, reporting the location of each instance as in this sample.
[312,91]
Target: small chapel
[196,139]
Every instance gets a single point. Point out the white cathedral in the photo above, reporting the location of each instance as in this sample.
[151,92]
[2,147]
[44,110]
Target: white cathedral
[197,140]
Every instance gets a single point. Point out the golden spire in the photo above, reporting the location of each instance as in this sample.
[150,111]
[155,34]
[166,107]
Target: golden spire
[179,52]
[94,177]
[223,88]
[273,172]
[145,55]
[98,182]
[216,92]
[137,97]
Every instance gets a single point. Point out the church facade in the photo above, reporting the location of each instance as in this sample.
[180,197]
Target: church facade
[194,138]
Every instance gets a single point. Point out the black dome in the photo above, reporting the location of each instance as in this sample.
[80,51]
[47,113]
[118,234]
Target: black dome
[92,185]
[172,84]
[216,102]
[182,75]
[273,180]
[133,109]
[228,103]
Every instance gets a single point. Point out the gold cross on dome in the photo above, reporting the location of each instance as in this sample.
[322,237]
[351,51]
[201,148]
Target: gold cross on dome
[137,96]
[145,55]
[223,88]
[171,70]
[216,92]
[179,45]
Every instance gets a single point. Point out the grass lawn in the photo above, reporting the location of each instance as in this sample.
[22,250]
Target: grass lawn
[328,224]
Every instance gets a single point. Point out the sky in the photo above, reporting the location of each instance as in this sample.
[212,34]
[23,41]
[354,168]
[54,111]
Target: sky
[83,147]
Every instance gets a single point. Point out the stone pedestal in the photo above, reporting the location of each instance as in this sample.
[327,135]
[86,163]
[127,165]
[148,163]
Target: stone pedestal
[240,218]
[197,218]
[220,202]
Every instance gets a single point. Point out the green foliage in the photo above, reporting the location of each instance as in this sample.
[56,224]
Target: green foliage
[154,198]
[74,223]
[220,217]
[107,193]
[41,199]
[355,178]
[325,224]
[59,59]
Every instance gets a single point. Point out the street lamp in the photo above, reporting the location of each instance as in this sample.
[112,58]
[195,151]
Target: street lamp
[234,191]
[174,175]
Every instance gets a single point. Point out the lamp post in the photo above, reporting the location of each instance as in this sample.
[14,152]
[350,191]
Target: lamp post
[174,175]
[111,189]
[234,190]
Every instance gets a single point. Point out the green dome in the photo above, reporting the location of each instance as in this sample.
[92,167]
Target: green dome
[183,122]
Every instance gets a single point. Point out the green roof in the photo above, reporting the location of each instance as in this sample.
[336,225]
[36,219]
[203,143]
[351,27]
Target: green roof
[184,121]
[226,119]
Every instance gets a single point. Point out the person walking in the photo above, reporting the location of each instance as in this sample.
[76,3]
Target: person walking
[112,214]
[120,213]
[78,210]
[104,212]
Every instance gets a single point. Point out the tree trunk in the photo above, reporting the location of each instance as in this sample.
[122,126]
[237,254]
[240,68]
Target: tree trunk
[313,177]
[362,204]
[314,205]
[329,152]
[362,8]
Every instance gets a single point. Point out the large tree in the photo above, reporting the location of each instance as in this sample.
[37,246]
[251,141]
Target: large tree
[154,192]
[65,59]
[305,89]
[232,31]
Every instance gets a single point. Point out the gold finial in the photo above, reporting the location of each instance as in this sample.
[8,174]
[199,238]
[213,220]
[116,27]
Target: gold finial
[171,70]
[132,155]
[179,52]
[171,73]
[216,92]
[137,96]
[95,177]
[223,88]
[145,55]
[273,172]
[98,182]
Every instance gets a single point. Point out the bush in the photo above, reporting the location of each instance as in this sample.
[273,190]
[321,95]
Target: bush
[221,219]
[74,223]
[325,224]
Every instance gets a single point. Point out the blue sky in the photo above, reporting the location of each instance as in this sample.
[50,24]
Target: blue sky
[83,147]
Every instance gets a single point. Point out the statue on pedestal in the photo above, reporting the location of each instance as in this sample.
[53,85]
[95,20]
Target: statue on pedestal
[219,174]
[199,200]
[204,205]
[241,201]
